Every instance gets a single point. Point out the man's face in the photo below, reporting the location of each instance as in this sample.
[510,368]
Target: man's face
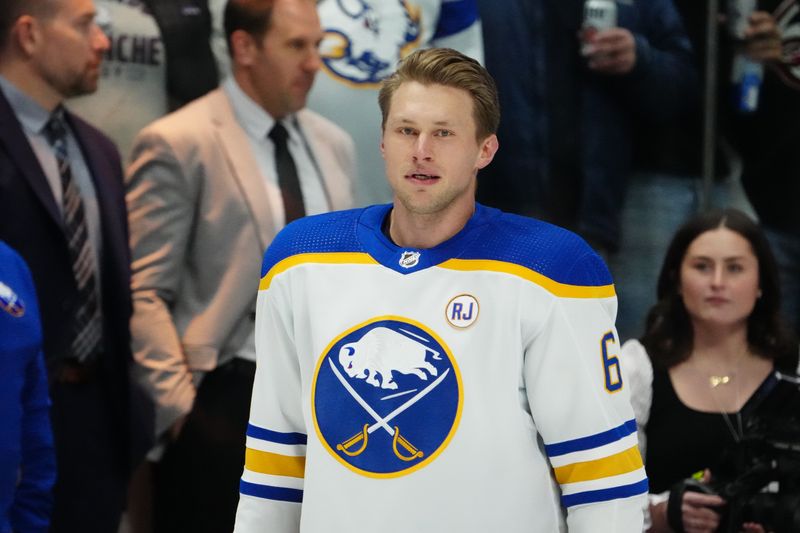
[285,61]
[430,147]
[71,48]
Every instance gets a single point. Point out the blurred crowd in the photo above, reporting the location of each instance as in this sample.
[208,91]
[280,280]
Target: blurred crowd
[150,150]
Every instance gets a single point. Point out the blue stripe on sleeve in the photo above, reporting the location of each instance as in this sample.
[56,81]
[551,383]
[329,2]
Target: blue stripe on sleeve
[603,495]
[271,493]
[275,436]
[592,441]
[455,16]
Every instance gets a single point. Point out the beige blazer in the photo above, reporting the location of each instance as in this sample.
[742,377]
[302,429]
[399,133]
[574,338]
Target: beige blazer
[199,223]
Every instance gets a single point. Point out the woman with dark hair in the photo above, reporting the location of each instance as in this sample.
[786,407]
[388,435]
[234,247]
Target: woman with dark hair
[712,340]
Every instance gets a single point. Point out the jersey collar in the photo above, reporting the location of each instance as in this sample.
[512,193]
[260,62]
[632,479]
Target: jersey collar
[407,260]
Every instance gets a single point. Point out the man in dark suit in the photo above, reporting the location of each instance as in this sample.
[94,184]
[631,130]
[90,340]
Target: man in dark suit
[63,209]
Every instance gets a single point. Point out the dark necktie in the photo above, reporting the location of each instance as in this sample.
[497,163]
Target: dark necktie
[88,320]
[287,175]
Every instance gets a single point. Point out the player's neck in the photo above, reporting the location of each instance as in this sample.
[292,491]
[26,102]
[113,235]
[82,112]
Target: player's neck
[424,231]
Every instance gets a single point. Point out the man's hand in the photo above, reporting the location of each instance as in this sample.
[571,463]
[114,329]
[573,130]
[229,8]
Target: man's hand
[611,51]
[763,38]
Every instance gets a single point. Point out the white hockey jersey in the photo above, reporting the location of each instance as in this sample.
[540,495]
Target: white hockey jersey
[470,387]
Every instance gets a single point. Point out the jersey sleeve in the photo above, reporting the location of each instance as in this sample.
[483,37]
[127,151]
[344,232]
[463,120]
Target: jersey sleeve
[581,408]
[271,488]
[33,499]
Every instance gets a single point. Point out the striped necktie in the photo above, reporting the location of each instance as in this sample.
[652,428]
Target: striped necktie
[287,175]
[88,320]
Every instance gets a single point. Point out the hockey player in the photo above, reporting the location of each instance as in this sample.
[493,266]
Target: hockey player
[435,365]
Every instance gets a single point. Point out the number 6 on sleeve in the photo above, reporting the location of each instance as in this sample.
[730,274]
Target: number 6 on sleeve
[613,376]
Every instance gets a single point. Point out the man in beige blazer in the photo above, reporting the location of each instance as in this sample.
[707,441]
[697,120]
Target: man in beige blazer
[206,195]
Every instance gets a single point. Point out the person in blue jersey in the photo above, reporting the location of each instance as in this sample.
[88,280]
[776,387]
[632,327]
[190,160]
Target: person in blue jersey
[434,364]
[27,458]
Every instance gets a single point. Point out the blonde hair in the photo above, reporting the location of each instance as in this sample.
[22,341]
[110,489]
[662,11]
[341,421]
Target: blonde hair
[444,66]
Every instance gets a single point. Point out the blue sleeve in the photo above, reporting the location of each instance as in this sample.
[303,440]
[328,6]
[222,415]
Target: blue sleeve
[34,500]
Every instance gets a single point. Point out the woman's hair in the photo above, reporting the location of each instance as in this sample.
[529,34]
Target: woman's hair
[669,335]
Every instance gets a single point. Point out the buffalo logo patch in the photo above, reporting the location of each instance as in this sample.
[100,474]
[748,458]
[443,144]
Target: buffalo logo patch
[387,397]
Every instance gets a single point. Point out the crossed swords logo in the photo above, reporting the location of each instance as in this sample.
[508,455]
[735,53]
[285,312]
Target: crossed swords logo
[382,422]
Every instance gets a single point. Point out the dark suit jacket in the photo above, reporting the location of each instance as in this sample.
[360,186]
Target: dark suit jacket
[31,223]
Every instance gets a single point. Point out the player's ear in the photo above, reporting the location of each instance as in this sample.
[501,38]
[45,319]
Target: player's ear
[489,147]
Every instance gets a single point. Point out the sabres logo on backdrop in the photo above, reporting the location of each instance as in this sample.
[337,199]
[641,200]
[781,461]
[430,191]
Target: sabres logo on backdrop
[364,39]
[387,397]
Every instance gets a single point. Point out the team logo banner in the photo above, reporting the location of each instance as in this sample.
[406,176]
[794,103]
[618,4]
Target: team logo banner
[364,39]
[387,397]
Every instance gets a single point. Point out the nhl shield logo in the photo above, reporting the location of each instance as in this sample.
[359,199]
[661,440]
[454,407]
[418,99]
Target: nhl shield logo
[409,259]
[387,397]
[10,302]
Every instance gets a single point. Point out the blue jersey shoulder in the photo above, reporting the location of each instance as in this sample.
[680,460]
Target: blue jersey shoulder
[328,232]
[12,265]
[553,252]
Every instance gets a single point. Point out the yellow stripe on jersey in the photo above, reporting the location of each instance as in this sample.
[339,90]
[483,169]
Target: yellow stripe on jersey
[613,465]
[552,286]
[335,258]
[274,464]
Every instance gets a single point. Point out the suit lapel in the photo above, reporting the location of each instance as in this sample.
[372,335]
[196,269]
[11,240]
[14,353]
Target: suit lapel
[239,159]
[19,150]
